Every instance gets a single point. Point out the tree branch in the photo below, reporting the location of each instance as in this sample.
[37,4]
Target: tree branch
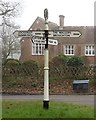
[5,12]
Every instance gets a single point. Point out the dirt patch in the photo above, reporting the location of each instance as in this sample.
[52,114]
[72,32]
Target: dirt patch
[30,86]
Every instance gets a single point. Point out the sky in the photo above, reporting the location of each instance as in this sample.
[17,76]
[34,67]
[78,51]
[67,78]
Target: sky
[76,12]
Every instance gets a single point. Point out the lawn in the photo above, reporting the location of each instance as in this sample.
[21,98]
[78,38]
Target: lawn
[0,109]
[34,109]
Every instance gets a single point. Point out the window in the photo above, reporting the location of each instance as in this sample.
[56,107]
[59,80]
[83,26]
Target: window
[38,49]
[68,49]
[89,50]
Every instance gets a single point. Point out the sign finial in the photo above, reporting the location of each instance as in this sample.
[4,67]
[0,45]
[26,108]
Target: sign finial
[46,13]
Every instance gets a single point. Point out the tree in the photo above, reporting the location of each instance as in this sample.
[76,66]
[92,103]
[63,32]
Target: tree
[8,11]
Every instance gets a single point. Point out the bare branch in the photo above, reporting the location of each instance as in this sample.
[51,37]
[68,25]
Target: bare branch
[5,12]
[8,11]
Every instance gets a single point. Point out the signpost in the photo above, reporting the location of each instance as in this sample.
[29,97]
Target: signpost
[42,37]
[51,34]
[39,41]
[28,33]
[43,41]
[46,64]
[69,33]
[52,42]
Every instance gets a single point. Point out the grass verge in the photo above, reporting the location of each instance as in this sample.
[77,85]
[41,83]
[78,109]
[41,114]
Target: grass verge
[0,109]
[34,109]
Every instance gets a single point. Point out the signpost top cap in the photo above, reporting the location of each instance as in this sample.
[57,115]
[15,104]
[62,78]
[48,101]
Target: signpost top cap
[46,13]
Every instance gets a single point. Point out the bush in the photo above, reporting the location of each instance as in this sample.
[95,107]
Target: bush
[60,59]
[75,61]
[30,67]
[57,67]
[30,64]
[14,68]
[12,62]
[10,67]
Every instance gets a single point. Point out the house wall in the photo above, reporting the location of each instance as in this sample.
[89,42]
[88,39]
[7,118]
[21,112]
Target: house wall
[26,49]
[87,37]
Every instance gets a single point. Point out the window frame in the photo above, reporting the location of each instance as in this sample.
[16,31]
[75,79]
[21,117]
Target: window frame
[68,49]
[38,49]
[89,49]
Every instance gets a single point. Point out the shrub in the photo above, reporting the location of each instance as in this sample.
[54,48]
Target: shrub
[75,61]
[57,67]
[10,67]
[60,59]
[12,62]
[30,67]
[30,64]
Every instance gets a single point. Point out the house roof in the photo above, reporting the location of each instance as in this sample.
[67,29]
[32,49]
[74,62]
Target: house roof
[39,24]
[86,31]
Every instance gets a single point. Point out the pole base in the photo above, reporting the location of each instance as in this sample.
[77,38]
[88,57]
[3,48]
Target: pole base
[46,104]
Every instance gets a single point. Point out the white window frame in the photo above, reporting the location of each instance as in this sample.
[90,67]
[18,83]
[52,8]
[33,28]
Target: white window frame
[69,49]
[89,50]
[37,49]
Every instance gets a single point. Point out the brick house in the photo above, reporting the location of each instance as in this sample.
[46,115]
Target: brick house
[81,46]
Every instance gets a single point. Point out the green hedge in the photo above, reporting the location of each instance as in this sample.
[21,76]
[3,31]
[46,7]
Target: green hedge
[30,68]
[12,62]
[60,69]
[75,61]
[15,68]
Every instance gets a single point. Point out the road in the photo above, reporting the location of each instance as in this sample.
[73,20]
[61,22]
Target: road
[74,99]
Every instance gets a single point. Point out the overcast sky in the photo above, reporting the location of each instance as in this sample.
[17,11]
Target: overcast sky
[76,12]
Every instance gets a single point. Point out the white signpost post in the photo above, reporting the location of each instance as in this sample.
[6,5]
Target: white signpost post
[42,37]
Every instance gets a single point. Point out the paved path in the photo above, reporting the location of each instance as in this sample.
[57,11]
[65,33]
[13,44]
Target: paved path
[75,99]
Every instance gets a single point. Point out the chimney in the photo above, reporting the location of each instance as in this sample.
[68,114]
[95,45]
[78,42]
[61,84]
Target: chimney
[61,22]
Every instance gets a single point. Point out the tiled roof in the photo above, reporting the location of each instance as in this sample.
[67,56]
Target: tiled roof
[86,31]
[52,25]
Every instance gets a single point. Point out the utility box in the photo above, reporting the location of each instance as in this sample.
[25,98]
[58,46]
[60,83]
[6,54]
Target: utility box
[80,85]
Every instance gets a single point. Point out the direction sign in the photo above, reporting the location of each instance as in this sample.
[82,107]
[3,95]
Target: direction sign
[52,42]
[64,33]
[51,33]
[30,33]
[39,41]
[42,41]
